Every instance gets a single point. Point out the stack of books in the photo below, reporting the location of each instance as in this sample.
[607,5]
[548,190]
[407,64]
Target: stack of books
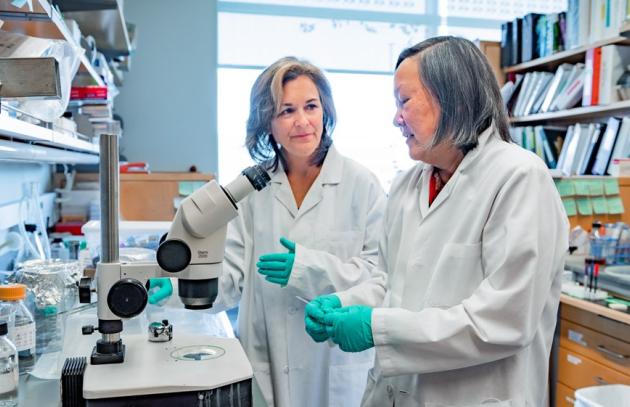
[583,84]
[542,92]
[538,35]
[580,149]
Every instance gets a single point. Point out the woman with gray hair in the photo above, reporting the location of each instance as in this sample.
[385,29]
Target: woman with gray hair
[313,231]
[474,245]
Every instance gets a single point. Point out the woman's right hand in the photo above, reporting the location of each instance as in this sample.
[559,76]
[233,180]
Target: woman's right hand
[314,314]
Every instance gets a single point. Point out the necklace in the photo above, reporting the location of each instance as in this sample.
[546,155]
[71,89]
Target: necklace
[438,180]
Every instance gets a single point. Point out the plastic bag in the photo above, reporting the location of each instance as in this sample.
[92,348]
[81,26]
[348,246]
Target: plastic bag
[68,56]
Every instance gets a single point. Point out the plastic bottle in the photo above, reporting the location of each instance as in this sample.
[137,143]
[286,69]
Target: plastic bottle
[9,376]
[58,250]
[20,322]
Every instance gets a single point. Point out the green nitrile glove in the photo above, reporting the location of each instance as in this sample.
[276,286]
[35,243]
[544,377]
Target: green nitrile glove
[159,289]
[351,328]
[276,267]
[314,313]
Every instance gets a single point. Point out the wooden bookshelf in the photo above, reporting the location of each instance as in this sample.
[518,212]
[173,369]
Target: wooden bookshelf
[571,56]
[582,114]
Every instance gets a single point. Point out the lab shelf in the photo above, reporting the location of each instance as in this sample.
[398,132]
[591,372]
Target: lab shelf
[107,26]
[55,28]
[40,10]
[18,131]
[577,114]
[574,55]
[85,5]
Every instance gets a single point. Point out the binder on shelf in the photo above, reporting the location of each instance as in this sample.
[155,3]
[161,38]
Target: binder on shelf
[581,135]
[622,146]
[517,32]
[529,36]
[524,92]
[573,75]
[613,62]
[587,159]
[506,44]
[548,153]
[578,23]
[541,34]
[592,66]
[555,86]
[552,35]
[606,147]
[511,102]
[538,94]
[572,93]
[565,159]
[598,15]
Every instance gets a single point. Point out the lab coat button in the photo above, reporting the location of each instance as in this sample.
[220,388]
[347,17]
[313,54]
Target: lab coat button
[292,310]
[390,391]
[286,370]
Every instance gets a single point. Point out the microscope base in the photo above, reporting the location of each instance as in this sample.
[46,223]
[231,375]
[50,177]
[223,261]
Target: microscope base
[187,366]
[236,394]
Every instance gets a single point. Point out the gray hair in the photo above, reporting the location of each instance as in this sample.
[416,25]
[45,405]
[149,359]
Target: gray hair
[264,103]
[459,78]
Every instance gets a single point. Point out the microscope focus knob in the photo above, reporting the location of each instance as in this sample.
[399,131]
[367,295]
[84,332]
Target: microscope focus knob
[127,298]
[85,290]
[173,255]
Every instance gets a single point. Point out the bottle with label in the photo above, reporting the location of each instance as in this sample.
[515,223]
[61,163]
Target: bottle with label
[20,322]
[9,375]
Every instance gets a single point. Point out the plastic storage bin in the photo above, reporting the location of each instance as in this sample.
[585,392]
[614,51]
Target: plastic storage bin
[613,395]
[145,234]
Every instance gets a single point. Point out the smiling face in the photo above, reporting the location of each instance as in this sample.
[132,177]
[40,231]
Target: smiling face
[417,114]
[299,121]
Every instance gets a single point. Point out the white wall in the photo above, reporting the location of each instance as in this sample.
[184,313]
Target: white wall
[168,98]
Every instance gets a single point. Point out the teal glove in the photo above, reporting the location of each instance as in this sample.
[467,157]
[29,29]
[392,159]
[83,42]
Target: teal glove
[159,289]
[314,313]
[276,267]
[351,328]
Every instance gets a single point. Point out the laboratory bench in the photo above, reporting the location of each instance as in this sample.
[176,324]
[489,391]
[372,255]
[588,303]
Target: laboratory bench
[592,347]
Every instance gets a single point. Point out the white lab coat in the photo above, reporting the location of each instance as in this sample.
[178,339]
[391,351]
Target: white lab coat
[473,284]
[337,229]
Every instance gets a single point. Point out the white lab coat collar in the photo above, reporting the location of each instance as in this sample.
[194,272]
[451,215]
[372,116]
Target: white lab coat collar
[330,173]
[427,170]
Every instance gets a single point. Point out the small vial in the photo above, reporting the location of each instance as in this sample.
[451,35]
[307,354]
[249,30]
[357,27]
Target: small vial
[9,375]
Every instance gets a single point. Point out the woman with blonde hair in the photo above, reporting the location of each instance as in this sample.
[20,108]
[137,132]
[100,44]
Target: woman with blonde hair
[312,232]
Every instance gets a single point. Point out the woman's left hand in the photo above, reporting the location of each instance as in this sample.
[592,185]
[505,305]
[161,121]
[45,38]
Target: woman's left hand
[276,267]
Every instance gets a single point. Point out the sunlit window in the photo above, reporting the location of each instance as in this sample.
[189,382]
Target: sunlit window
[357,43]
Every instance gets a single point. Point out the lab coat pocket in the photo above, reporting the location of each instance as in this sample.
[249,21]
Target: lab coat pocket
[457,274]
[343,244]
[487,403]
[347,384]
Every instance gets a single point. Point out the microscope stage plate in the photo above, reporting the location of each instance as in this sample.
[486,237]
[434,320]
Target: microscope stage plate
[151,368]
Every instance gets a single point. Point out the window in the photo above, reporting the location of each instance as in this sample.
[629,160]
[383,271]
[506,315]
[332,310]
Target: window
[357,43]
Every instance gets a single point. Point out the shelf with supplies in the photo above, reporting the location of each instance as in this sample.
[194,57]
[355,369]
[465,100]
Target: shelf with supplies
[567,91]
[587,113]
[54,28]
[573,55]
[104,20]
[24,141]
